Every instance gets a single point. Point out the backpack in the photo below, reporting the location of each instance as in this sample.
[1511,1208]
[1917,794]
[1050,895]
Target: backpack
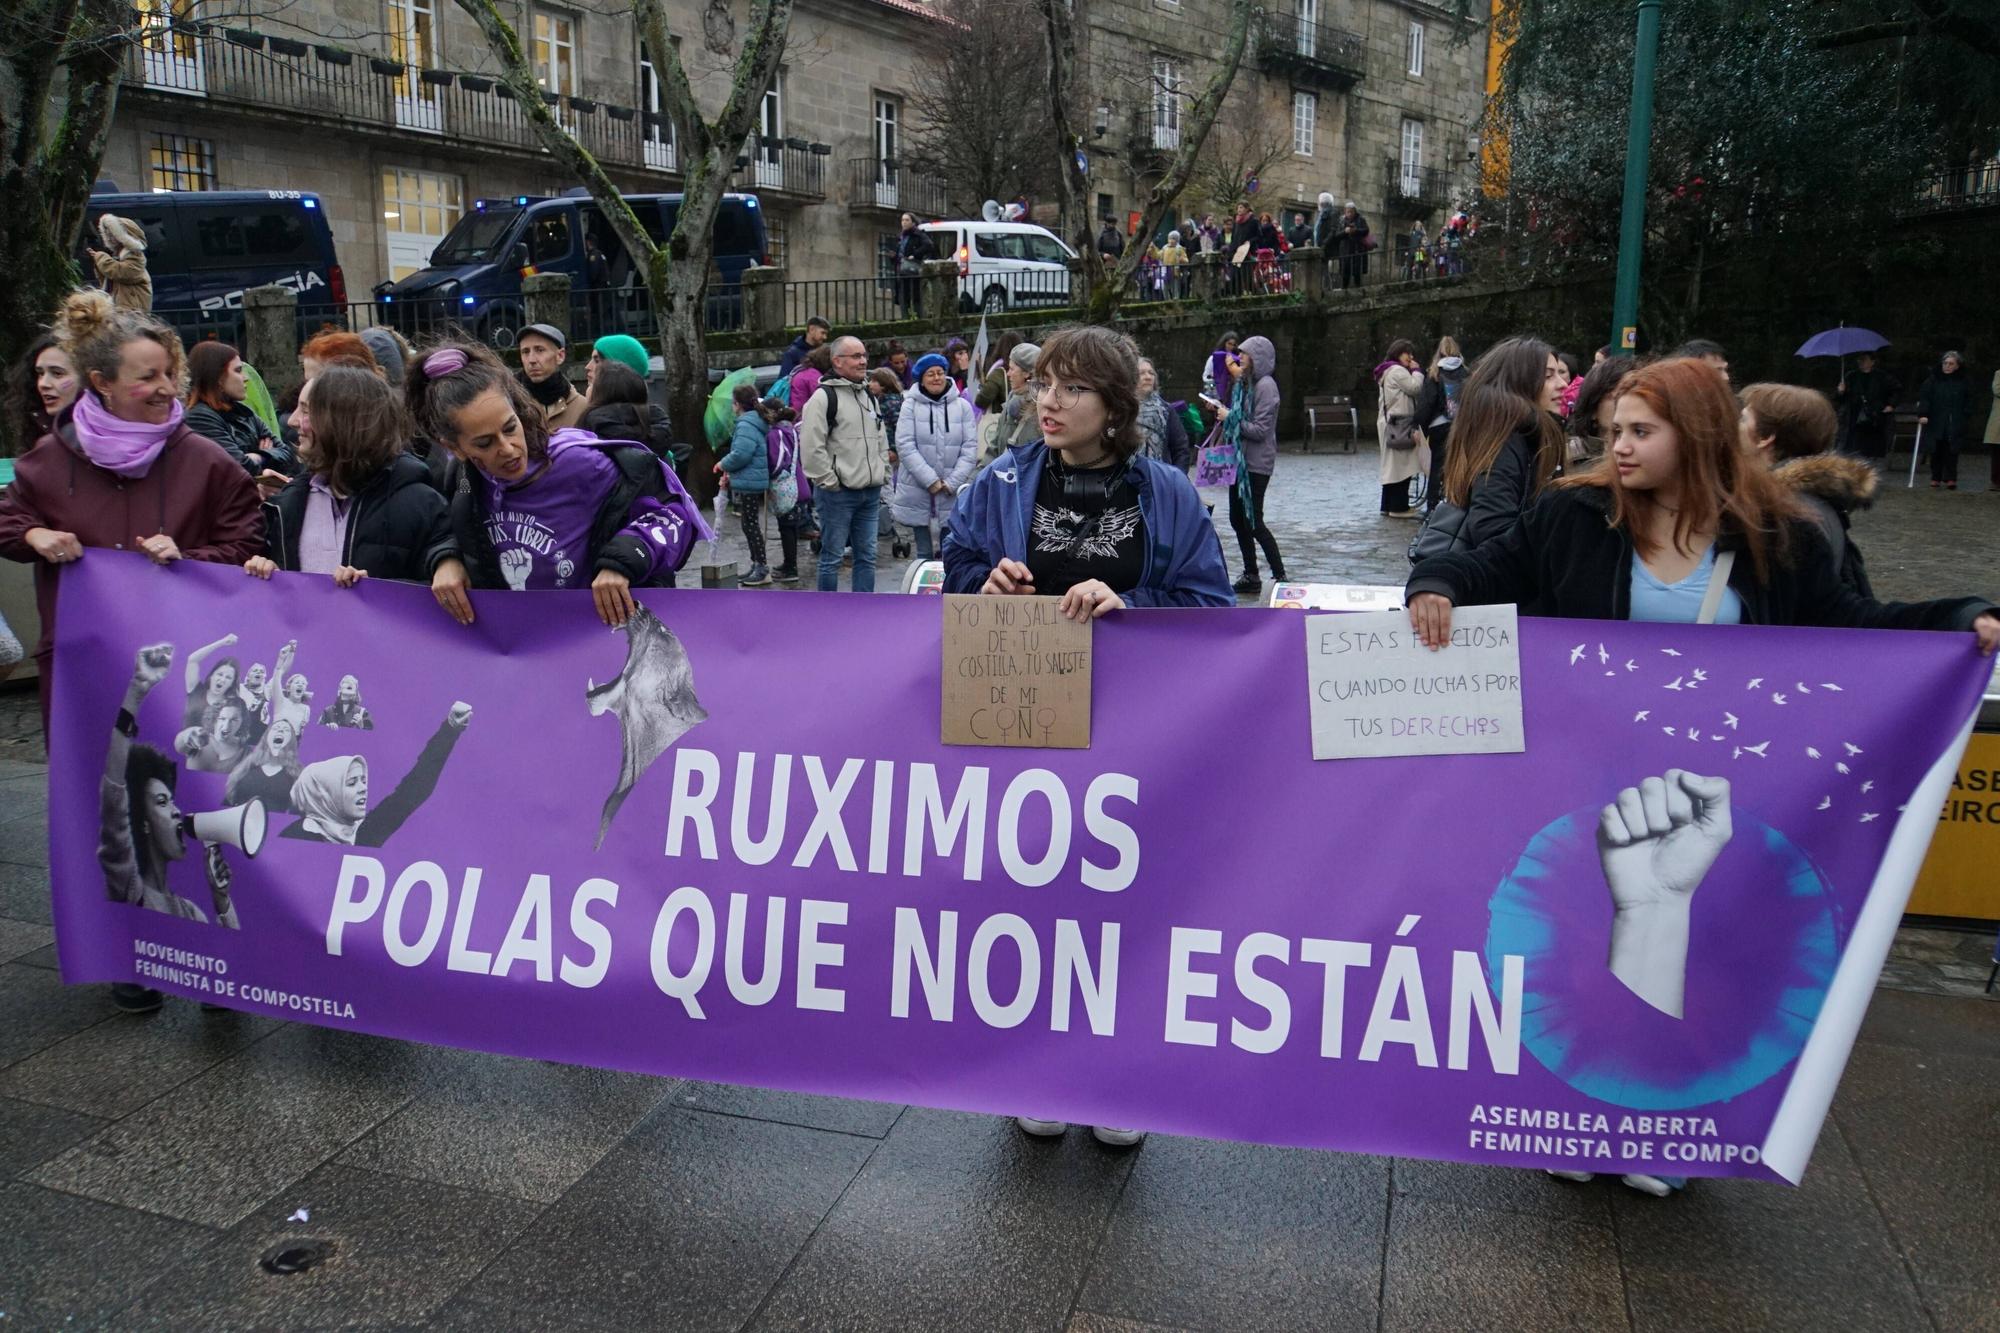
[781,452]
[781,392]
[1441,533]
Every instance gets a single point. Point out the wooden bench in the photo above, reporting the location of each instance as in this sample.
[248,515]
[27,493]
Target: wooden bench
[1325,410]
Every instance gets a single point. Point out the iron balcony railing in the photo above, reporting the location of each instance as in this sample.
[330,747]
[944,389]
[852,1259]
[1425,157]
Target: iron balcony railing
[1975,185]
[1413,187]
[878,184]
[1312,51]
[789,167]
[297,79]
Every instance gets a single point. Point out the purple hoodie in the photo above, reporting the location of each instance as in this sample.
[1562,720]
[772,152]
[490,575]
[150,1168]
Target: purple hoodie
[542,530]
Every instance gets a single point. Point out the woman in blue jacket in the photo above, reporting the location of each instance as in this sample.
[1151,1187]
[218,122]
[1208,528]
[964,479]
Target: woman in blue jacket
[936,451]
[748,468]
[1081,513]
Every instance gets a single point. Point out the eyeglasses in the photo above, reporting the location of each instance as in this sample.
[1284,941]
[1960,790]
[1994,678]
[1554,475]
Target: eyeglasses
[1063,395]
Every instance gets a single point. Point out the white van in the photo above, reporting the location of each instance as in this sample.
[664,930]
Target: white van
[1004,265]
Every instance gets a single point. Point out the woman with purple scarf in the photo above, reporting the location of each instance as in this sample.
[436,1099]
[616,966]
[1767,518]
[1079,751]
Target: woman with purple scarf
[119,469]
[541,511]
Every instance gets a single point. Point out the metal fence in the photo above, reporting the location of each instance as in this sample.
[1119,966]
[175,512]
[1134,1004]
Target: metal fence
[1976,185]
[845,302]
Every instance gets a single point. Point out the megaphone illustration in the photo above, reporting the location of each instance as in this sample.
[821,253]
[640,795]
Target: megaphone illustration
[241,826]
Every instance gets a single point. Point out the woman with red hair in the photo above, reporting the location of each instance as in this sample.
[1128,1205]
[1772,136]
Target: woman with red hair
[1676,504]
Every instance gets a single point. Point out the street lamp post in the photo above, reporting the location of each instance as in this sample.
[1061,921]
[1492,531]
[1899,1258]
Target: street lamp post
[1638,147]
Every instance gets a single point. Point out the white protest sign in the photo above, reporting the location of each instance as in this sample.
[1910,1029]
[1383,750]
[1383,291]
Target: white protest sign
[1377,691]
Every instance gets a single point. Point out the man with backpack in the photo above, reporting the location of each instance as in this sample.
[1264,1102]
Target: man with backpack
[845,457]
[817,332]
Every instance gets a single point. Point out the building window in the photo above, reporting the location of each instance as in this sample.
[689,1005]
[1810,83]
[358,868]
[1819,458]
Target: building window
[888,140]
[1166,103]
[177,162]
[1412,156]
[661,147]
[1308,27]
[1416,50]
[774,240]
[1104,208]
[419,208]
[555,52]
[1305,115]
[769,154]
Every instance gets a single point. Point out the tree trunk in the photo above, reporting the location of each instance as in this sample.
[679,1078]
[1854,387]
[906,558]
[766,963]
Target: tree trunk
[1056,18]
[47,173]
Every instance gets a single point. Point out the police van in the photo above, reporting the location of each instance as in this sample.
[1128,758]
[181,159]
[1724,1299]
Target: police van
[205,248]
[474,277]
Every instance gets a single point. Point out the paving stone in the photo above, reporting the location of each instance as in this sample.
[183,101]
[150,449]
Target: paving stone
[1503,1189]
[25,796]
[25,842]
[24,701]
[126,1061]
[44,958]
[401,1248]
[1751,1254]
[215,1148]
[30,1134]
[71,1262]
[1933,1023]
[1451,1266]
[24,893]
[20,938]
[685,1225]
[958,1221]
[1929,1144]
[1104,1323]
[1232,1235]
[1963,1309]
[40,1011]
[842,1114]
[524,1128]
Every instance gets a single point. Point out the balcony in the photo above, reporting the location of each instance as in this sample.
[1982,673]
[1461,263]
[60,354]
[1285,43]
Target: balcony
[1311,52]
[788,169]
[1153,138]
[1414,191]
[291,80]
[883,185]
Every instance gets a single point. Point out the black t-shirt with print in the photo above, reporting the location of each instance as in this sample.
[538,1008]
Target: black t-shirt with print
[1086,526]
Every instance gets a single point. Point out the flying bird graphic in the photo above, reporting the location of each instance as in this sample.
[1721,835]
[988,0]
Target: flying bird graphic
[1699,674]
[1576,654]
[654,699]
[1778,699]
[1824,802]
[1603,656]
[1842,768]
[1668,730]
[1811,753]
[1729,720]
[1801,688]
[1755,681]
[1630,665]
[1870,815]
[1693,735]
[1851,749]
[1642,715]
[1737,753]
[1674,684]
[1757,749]
[1829,685]
[1868,785]
[1671,652]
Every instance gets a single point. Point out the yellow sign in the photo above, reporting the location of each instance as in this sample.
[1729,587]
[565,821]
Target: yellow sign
[1961,876]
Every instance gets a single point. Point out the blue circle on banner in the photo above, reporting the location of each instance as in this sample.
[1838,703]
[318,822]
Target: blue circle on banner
[1764,937]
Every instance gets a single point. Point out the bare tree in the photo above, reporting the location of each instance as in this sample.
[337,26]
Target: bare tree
[980,103]
[1247,143]
[63,62]
[677,272]
[1108,290]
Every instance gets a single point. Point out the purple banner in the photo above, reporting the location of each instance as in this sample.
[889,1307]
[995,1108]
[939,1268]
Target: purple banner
[726,844]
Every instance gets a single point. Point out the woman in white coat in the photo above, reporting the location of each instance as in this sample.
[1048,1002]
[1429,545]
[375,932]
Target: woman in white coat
[1400,378]
[937,448]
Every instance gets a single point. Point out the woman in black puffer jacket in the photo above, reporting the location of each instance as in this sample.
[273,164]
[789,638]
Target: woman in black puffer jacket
[1503,446]
[366,507]
[216,408]
[620,409]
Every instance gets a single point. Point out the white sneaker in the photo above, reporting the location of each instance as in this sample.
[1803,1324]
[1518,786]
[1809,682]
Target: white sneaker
[1580,1177]
[1041,1129]
[1118,1138]
[1654,1185]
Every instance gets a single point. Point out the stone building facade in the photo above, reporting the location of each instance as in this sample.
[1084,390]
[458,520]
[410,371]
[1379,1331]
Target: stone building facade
[1376,101]
[389,111]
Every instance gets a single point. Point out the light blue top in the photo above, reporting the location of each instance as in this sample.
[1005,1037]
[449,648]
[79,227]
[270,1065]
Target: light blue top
[1680,603]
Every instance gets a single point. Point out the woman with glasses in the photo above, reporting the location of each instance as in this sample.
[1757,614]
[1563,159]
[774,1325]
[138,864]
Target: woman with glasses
[1081,513]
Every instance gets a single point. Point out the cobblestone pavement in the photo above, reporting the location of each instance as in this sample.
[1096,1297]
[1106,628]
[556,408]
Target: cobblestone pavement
[150,1167]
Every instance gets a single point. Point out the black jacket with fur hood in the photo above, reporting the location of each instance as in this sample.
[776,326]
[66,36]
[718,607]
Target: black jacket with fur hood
[1832,487]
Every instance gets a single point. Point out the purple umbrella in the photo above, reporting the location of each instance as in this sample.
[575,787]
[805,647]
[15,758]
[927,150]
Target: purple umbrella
[1843,341]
